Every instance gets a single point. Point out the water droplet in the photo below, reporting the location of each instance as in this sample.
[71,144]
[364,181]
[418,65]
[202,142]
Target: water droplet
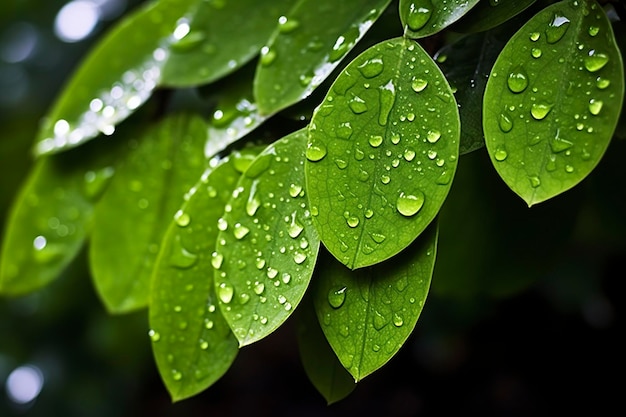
[295,228]
[595,61]
[181,257]
[260,263]
[287,25]
[216,260]
[267,56]
[418,84]
[182,219]
[337,296]
[357,105]
[505,122]
[500,154]
[534,36]
[536,53]
[353,221]
[225,292]
[397,320]
[243,298]
[176,375]
[222,224]
[341,163]
[387,100]
[556,28]
[371,67]
[344,131]
[272,272]
[259,287]
[154,336]
[240,231]
[295,190]
[299,257]
[315,151]
[535,181]
[559,144]
[419,14]
[409,154]
[595,106]
[189,42]
[602,83]
[375,140]
[539,111]
[593,30]
[409,204]
[433,136]
[517,80]
[378,237]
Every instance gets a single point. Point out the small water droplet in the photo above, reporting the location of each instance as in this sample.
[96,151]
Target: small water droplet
[433,136]
[410,204]
[353,221]
[397,320]
[419,14]
[595,106]
[595,61]
[272,272]
[216,260]
[154,336]
[539,111]
[536,52]
[534,36]
[240,231]
[375,140]
[500,154]
[295,190]
[287,25]
[315,151]
[260,263]
[243,298]
[556,28]
[259,287]
[505,123]
[225,292]
[222,224]
[419,84]
[176,375]
[378,237]
[602,83]
[535,181]
[409,154]
[267,56]
[371,67]
[517,80]
[337,296]
[295,228]
[357,105]
[341,163]
[182,219]
[299,257]
[593,30]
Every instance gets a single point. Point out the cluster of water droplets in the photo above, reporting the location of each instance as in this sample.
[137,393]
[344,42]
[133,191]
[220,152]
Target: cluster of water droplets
[590,64]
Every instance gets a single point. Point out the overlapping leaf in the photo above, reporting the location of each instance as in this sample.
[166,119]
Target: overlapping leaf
[553,100]
[51,217]
[318,359]
[368,314]
[134,213]
[489,14]
[267,247]
[170,42]
[192,343]
[311,40]
[382,153]
[422,18]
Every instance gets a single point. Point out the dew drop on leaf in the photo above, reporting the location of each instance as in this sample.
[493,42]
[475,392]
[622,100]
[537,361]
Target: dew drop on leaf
[505,122]
[595,61]
[371,68]
[595,106]
[559,144]
[240,231]
[419,14]
[216,260]
[337,296]
[410,204]
[539,111]
[500,154]
[387,99]
[225,292]
[517,80]
[315,151]
[182,219]
[433,136]
[154,336]
[556,28]
[536,53]
[419,84]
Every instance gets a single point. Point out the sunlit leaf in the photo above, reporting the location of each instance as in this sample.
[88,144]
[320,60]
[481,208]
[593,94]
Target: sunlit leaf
[489,14]
[368,314]
[267,247]
[133,215]
[553,100]
[318,359]
[169,42]
[192,343]
[382,153]
[52,215]
[422,18]
[308,44]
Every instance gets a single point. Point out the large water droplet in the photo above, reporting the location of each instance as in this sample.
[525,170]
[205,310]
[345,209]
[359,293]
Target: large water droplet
[225,292]
[536,52]
[371,67]
[409,204]
[353,221]
[517,80]
[595,106]
[387,100]
[418,84]
[419,14]
[539,111]
[556,28]
[433,136]
[337,296]
[315,151]
[595,61]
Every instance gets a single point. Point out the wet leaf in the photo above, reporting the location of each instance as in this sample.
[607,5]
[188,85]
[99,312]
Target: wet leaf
[52,215]
[320,363]
[382,153]
[132,216]
[422,18]
[368,314]
[309,42]
[267,247]
[489,14]
[192,343]
[553,100]
[174,43]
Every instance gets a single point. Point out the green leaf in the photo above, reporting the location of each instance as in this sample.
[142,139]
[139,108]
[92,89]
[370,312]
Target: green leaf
[368,314]
[466,64]
[267,247]
[382,153]
[489,14]
[553,100]
[318,359]
[169,42]
[192,343]
[133,215]
[310,41]
[51,217]
[422,18]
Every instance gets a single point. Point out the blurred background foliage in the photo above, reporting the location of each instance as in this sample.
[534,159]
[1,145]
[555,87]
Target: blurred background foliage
[524,314]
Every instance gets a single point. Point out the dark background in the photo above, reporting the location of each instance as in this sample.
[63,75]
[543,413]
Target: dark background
[523,318]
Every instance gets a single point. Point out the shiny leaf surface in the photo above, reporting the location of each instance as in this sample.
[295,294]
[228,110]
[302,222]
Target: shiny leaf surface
[382,153]
[421,18]
[549,113]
